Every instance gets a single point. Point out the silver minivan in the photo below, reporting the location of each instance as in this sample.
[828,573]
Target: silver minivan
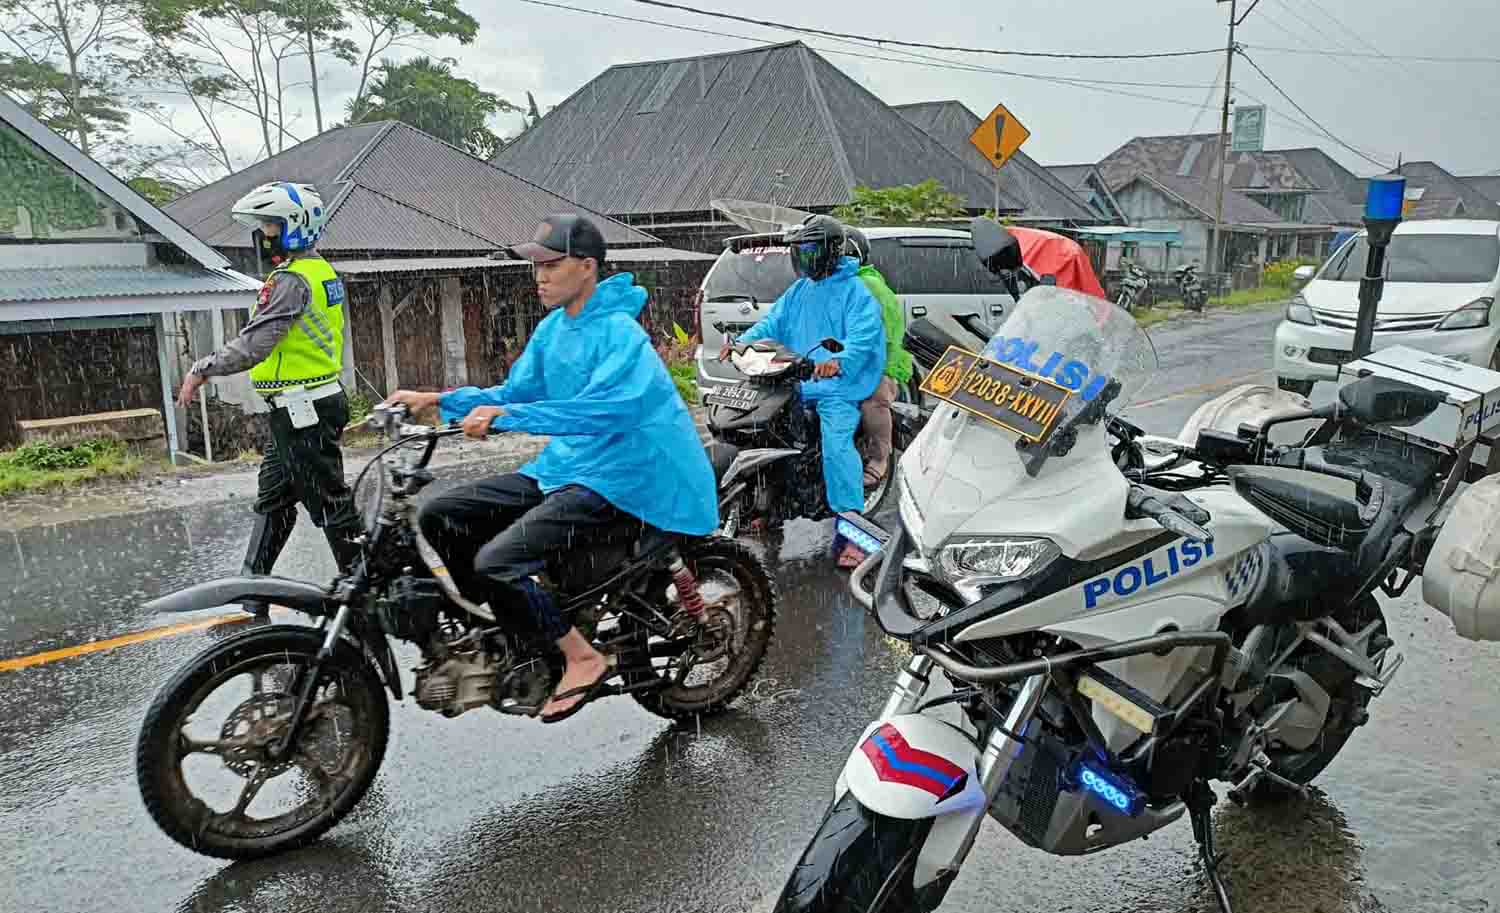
[933,271]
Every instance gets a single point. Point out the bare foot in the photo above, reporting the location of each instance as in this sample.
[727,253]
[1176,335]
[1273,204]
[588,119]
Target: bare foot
[578,673]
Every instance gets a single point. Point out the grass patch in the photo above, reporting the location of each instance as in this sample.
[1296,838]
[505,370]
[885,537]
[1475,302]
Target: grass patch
[40,466]
[1164,309]
[1251,296]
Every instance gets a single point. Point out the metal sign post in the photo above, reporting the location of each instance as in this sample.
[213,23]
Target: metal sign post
[1382,214]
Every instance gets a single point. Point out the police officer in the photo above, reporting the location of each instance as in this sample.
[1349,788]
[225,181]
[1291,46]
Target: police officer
[293,347]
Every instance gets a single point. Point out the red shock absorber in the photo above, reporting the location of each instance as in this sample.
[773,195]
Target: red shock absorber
[687,590]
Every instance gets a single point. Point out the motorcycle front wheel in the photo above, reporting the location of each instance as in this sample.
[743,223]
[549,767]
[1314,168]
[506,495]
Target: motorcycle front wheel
[860,861]
[202,758]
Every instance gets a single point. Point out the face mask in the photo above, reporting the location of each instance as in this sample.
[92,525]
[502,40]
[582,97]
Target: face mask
[270,247]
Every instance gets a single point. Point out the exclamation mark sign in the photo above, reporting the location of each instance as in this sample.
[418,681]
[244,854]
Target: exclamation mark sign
[999,137]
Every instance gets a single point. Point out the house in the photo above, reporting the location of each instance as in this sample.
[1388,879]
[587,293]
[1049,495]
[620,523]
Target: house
[1486,184]
[655,144]
[1046,200]
[1250,231]
[1433,193]
[93,279]
[1271,208]
[1088,184]
[412,224]
[1339,198]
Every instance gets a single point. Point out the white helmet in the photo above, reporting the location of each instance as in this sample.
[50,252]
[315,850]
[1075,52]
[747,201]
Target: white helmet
[298,208]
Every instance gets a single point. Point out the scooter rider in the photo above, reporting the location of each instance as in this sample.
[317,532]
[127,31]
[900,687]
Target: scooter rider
[293,347]
[876,411]
[829,301]
[624,450]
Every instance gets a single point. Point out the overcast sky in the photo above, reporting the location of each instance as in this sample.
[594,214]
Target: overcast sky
[1446,112]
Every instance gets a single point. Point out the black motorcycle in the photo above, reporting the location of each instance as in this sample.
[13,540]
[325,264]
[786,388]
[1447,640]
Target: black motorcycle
[768,445]
[300,712]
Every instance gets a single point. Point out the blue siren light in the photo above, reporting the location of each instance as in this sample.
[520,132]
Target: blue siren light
[1386,194]
[1114,789]
[861,539]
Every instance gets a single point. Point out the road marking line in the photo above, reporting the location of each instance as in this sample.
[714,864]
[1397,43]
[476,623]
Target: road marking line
[50,656]
[1203,388]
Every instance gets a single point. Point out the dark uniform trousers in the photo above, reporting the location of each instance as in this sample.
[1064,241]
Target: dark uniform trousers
[304,466]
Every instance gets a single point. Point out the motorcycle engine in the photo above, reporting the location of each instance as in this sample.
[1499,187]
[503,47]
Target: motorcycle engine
[460,682]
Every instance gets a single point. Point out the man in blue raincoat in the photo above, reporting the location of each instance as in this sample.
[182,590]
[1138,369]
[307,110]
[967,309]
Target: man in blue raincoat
[623,447]
[830,301]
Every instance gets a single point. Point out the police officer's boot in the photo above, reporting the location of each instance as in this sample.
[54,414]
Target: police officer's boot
[346,551]
[267,538]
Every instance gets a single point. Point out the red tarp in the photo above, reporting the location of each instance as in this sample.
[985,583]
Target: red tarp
[1050,253]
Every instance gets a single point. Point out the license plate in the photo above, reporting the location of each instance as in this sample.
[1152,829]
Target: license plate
[735,396]
[1023,403]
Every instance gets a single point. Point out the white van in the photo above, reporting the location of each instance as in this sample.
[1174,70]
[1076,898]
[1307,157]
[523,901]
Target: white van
[933,271]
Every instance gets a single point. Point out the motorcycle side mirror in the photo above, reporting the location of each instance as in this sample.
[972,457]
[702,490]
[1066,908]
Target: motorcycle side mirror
[996,248]
[1376,400]
[832,345]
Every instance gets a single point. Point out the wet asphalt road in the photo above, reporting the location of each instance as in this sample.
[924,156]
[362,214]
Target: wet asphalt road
[617,811]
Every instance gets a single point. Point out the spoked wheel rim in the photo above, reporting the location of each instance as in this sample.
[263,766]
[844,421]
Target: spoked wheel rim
[261,798]
[727,647]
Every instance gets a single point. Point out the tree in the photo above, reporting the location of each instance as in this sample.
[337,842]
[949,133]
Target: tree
[65,56]
[903,203]
[156,190]
[320,23]
[385,24]
[427,95]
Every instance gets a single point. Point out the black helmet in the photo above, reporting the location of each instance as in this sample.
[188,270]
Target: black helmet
[816,246]
[859,245]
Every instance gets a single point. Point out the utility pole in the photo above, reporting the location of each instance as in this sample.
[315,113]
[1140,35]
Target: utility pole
[1214,258]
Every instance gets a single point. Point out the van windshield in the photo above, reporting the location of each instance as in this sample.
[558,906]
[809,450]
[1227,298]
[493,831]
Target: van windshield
[1422,258]
[754,273]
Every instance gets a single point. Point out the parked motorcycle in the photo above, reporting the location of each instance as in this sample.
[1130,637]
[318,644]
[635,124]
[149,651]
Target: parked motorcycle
[1190,287]
[768,446]
[1133,286]
[300,711]
[1102,622]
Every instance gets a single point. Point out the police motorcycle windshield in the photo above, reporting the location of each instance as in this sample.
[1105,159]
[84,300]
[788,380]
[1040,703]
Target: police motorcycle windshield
[1015,467]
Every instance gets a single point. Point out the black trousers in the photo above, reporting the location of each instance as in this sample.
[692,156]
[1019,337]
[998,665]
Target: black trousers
[496,533]
[305,466]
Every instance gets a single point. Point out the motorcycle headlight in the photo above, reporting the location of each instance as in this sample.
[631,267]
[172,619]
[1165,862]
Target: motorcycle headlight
[971,563]
[1471,316]
[1297,311]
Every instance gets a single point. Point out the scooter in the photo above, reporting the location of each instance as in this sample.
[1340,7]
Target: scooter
[1190,286]
[1133,286]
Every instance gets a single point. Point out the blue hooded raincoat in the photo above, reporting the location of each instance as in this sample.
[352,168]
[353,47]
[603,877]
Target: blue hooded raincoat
[618,425]
[841,307]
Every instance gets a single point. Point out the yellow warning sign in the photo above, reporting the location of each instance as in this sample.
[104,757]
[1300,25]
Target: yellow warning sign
[999,136]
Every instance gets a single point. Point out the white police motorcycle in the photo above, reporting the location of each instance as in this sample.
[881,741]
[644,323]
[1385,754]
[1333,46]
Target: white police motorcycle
[1101,623]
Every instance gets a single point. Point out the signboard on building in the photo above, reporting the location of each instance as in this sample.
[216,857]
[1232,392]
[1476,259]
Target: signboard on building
[1249,129]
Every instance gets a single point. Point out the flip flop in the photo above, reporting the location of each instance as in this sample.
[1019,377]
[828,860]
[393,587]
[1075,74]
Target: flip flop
[589,692]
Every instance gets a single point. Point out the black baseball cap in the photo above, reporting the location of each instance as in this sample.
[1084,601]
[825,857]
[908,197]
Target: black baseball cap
[562,235]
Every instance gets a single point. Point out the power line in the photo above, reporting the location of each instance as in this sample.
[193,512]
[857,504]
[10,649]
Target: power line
[917,44]
[1266,17]
[936,63]
[1207,99]
[1417,57]
[1303,111]
[1355,35]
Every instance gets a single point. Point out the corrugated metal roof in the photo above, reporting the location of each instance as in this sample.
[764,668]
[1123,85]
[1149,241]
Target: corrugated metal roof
[1486,184]
[391,187]
[771,123]
[1192,156]
[1446,196]
[1039,193]
[1238,208]
[117,282]
[430,264]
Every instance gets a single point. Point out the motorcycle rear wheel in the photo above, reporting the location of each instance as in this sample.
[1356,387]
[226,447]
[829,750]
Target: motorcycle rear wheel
[860,861]
[734,581]
[350,707]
